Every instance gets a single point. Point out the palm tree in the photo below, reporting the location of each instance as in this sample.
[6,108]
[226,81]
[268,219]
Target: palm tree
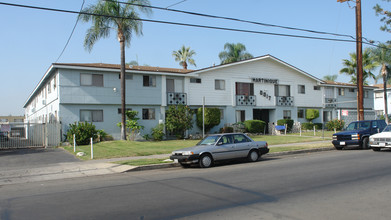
[124,19]
[233,53]
[184,56]
[331,78]
[382,55]
[351,66]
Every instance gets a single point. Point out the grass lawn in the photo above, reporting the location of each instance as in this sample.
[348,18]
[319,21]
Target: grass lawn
[115,149]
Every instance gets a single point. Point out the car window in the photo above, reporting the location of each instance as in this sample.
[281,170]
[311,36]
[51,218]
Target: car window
[239,138]
[374,124]
[210,140]
[363,125]
[387,129]
[227,139]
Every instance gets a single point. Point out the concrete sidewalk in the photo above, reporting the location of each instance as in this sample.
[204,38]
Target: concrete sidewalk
[15,175]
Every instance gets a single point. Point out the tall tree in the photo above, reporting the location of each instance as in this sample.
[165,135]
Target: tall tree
[385,17]
[124,19]
[382,55]
[350,67]
[184,56]
[233,53]
[331,78]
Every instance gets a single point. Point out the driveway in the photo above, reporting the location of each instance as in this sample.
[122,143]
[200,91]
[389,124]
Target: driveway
[34,157]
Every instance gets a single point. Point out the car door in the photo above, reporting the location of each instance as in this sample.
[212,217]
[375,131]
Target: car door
[242,145]
[224,148]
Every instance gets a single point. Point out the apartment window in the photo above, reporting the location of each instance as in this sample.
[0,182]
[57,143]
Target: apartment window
[91,79]
[301,89]
[128,76]
[126,109]
[148,114]
[54,83]
[379,95]
[316,87]
[287,114]
[351,89]
[282,90]
[195,80]
[244,88]
[366,93]
[219,84]
[240,116]
[49,87]
[300,113]
[149,81]
[91,115]
[341,91]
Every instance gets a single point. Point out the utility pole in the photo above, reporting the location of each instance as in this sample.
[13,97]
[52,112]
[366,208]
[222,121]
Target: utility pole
[360,81]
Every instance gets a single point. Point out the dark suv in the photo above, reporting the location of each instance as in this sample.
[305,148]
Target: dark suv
[357,134]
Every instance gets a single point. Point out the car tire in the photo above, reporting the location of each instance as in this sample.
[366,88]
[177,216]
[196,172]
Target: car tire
[376,148]
[253,156]
[365,143]
[338,147]
[206,161]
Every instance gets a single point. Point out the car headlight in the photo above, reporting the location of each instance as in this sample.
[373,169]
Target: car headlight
[355,136]
[371,139]
[187,153]
[334,137]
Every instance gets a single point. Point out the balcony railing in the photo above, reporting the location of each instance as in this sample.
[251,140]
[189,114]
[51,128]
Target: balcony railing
[176,98]
[246,100]
[284,101]
[330,102]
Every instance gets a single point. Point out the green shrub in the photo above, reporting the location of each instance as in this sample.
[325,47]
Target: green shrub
[83,131]
[335,124]
[178,120]
[212,118]
[227,130]
[288,122]
[311,114]
[254,126]
[310,126]
[158,132]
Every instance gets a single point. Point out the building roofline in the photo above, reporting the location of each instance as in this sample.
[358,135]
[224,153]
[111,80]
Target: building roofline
[196,72]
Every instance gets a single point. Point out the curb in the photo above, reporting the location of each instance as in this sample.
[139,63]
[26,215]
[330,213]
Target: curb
[170,165]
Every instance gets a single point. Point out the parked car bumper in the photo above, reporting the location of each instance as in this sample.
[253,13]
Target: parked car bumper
[263,150]
[346,143]
[186,159]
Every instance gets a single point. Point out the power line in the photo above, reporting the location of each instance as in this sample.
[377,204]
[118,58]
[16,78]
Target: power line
[184,24]
[70,36]
[234,19]
[175,4]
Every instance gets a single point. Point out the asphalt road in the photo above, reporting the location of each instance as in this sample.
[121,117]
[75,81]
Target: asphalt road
[348,184]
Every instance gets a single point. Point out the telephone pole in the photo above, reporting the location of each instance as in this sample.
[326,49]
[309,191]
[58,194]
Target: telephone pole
[360,83]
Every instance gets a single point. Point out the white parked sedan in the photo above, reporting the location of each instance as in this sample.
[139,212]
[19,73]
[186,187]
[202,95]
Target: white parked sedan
[381,140]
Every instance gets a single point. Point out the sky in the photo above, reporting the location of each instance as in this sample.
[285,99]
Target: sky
[31,40]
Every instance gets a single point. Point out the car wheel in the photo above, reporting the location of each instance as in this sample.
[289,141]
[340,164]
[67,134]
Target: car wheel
[365,143]
[253,156]
[206,161]
[338,147]
[376,148]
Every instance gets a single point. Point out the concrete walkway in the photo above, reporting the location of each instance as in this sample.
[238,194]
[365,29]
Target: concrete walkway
[62,170]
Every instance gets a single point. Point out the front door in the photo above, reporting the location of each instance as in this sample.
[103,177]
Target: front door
[263,115]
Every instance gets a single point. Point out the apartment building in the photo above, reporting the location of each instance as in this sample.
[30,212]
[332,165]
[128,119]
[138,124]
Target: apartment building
[264,88]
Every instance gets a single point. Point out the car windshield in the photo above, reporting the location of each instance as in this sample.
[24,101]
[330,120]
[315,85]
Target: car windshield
[210,140]
[359,125]
[387,129]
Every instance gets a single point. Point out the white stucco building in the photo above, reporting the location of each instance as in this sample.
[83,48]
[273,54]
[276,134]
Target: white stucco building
[264,88]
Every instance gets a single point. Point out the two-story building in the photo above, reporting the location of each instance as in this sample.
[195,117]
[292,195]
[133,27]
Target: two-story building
[264,88]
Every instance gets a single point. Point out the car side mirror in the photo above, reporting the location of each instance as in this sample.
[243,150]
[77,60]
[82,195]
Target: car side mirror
[219,143]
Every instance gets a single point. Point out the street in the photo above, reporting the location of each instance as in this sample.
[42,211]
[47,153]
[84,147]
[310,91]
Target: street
[348,184]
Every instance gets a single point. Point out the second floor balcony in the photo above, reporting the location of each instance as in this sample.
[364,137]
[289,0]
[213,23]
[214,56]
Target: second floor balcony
[246,100]
[330,102]
[176,98]
[284,101]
